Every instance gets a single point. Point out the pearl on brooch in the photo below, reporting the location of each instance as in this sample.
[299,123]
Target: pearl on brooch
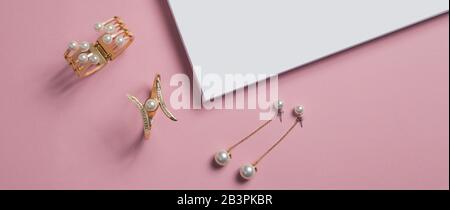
[98,27]
[109,29]
[94,59]
[151,105]
[73,45]
[83,58]
[84,46]
[222,157]
[298,111]
[247,171]
[120,40]
[107,38]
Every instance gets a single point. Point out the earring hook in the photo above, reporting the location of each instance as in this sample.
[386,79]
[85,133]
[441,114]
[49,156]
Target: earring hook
[279,107]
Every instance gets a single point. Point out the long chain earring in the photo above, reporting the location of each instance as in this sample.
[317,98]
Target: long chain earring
[224,156]
[248,171]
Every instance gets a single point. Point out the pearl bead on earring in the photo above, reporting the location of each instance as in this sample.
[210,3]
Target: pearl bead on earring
[279,105]
[222,157]
[298,111]
[247,171]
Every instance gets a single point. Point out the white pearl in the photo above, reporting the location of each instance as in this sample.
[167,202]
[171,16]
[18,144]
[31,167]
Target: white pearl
[84,46]
[83,58]
[110,29]
[279,105]
[73,45]
[98,26]
[151,105]
[222,157]
[120,40]
[94,59]
[107,38]
[247,171]
[299,110]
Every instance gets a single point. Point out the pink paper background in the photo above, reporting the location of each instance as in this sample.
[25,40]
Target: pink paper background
[377,115]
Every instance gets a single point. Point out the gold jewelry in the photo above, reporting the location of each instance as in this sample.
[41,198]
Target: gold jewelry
[151,105]
[224,156]
[88,58]
[248,171]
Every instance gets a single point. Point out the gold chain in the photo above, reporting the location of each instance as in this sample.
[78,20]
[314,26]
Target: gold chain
[251,134]
[278,142]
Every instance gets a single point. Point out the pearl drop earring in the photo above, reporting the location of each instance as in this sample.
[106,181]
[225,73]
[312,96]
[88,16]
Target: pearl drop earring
[223,157]
[248,171]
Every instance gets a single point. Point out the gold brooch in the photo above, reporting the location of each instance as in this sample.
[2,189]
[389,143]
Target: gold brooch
[88,58]
[151,105]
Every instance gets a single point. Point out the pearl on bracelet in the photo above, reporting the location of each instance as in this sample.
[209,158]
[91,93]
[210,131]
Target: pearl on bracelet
[107,38]
[94,59]
[84,46]
[120,40]
[98,27]
[73,45]
[110,28]
[83,58]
